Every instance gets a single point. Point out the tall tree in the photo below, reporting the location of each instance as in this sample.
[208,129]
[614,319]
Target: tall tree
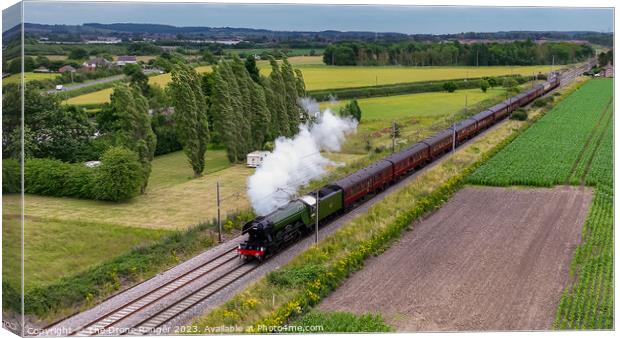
[190,114]
[276,98]
[224,115]
[137,78]
[290,91]
[250,65]
[134,127]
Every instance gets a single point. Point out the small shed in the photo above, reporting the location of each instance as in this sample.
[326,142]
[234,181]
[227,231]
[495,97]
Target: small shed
[255,158]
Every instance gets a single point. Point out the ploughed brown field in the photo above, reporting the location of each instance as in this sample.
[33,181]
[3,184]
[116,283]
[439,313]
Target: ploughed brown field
[490,259]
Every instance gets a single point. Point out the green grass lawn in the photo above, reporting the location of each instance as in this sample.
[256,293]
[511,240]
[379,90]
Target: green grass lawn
[173,168]
[29,76]
[417,105]
[56,248]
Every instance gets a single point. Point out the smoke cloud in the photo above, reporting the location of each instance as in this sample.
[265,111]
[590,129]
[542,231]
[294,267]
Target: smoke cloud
[296,161]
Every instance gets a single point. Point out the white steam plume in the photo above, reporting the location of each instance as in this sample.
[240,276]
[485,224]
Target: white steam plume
[296,161]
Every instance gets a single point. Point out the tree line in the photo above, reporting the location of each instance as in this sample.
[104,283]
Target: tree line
[244,110]
[421,54]
[233,106]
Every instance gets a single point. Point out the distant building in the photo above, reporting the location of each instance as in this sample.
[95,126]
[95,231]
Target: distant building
[105,40]
[93,64]
[255,158]
[65,69]
[126,59]
[41,70]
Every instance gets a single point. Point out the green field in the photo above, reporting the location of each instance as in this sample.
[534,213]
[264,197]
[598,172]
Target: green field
[546,154]
[572,144]
[417,105]
[56,248]
[319,76]
[29,76]
[589,303]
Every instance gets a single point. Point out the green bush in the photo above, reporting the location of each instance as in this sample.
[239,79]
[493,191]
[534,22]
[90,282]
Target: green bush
[56,178]
[543,101]
[519,114]
[343,322]
[11,176]
[120,175]
[450,87]
[295,276]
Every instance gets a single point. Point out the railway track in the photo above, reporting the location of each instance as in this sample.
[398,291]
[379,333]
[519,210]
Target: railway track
[108,320]
[156,320]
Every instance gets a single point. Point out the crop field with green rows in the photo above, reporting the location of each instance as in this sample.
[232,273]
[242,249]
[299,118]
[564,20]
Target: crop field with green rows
[588,303]
[572,144]
[551,151]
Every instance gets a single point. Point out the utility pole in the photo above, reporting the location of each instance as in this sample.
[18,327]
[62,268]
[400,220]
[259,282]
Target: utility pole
[477,64]
[393,135]
[219,219]
[316,223]
[454,134]
[552,62]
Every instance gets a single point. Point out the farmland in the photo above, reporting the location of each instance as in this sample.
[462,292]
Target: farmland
[578,152]
[319,76]
[476,277]
[417,105]
[582,116]
[28,76]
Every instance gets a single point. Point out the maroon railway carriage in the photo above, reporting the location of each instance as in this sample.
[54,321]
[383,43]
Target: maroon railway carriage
[409,159]
[465,129]
[500,110]
[365,181]
[484,119]
[440,143]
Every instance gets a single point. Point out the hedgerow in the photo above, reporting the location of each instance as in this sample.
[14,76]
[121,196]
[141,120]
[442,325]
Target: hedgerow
[11,176]
[405,88]
[116,179]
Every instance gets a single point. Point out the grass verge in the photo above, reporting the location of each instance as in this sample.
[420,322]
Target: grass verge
[329,322]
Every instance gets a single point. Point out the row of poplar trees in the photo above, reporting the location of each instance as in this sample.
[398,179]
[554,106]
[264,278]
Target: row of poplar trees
[236,106]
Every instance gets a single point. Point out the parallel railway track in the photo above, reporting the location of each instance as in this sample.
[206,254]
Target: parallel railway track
[106,321]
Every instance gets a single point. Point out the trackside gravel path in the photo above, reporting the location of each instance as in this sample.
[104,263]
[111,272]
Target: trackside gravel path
[490,259]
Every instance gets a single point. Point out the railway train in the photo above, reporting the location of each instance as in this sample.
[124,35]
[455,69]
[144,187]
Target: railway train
[271,233]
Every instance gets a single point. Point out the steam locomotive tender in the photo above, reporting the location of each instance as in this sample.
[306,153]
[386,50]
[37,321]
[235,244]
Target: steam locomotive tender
[271,233]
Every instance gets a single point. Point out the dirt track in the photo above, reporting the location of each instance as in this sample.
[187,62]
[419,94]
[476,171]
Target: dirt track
[502,267]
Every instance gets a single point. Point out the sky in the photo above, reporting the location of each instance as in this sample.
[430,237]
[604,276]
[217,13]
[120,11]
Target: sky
[402,19]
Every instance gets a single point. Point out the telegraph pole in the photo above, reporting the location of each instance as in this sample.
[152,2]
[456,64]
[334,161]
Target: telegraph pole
[219,219]
[316,223]
[393,135]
